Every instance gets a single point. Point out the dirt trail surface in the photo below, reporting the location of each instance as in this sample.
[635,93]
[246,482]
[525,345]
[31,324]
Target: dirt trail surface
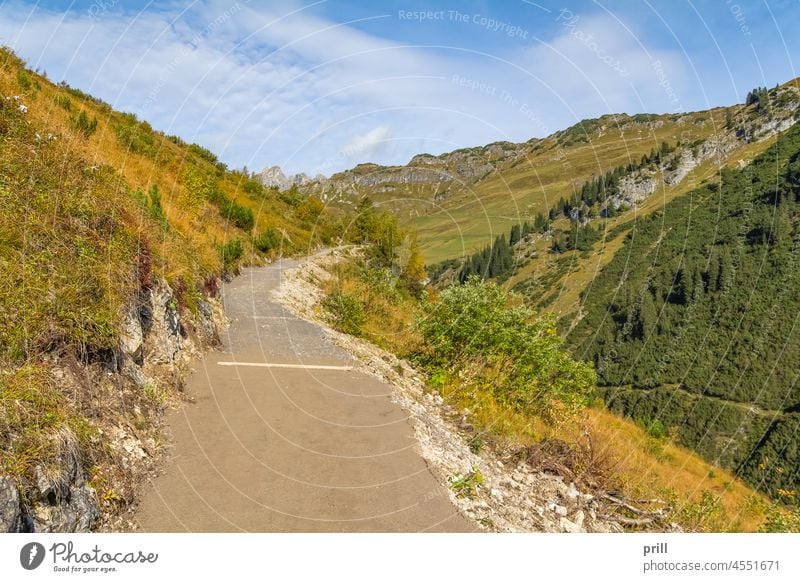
[287,434]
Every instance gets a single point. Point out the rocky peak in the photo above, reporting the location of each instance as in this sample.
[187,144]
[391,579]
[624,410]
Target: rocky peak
[273,177]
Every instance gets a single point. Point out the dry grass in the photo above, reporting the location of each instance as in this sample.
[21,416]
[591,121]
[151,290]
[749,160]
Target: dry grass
[602,451]
[81,240]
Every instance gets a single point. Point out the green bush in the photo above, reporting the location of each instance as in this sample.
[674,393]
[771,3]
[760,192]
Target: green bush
[230,253]
[781,520]
[82,123]
[346,312]
[474,331]
[239,215]
[268,240]
[64,102]
[137,137]
[156,210]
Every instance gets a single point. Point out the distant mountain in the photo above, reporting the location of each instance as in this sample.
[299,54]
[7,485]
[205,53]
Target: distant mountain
[479,192]
[273,177]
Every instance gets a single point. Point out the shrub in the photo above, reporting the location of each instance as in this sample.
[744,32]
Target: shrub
[268,240]
[346,312]
[156,210]
[204,153]
[779,520]
[230,253]
[137,137]
[254,188]
[310,209]
[475,332]
[64,102]
[239,215]
[82,123]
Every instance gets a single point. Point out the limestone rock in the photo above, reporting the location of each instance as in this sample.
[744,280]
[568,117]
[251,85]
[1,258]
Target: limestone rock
[10,508]
[132,337]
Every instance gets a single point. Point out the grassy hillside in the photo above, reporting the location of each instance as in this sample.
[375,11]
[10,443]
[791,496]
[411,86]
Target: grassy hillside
[549,170]
[604,451]
[95,206]
[692,324]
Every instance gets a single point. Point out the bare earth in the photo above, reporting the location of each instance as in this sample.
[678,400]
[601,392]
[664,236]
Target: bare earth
[291,449]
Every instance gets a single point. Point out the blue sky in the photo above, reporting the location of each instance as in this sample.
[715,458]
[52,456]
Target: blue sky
[321,86]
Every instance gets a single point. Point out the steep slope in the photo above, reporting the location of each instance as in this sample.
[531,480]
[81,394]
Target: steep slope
[461,200]
[692,325]
[113,237]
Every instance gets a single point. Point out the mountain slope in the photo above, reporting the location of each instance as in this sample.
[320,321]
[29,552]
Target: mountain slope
[693,323]
[113,237]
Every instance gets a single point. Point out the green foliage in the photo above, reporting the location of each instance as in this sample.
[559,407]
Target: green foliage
[136,137]
[239,215]
[156,210]
[268,240]
[292,196]
[63,101]
[467,485]
[705,515]
[204,153]
[475,329]
[310,209]
[346,312]
[760,98]
[254,188]
[711,321]
[26,81]
[84,124]
[378,230]
[781,520]
[230,253]
[494,261]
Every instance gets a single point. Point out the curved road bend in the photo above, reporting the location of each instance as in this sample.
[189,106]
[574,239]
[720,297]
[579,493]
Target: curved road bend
[285,437]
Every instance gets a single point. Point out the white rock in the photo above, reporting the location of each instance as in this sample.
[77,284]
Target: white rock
[572,492]
[569,527]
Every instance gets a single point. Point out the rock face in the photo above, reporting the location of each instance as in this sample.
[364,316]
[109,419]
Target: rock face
[273,177]
[10,507]
[167,330]
[633,189]
[66,502]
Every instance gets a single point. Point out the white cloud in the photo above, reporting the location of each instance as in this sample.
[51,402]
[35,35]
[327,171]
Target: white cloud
[263,87]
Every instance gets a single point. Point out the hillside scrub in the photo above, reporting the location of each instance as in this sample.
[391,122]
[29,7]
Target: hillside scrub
[475,333]
[704,340]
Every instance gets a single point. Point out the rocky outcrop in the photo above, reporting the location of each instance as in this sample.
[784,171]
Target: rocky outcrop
[124,395]
[10,507]
[273,177]
[61,499]
[65,501]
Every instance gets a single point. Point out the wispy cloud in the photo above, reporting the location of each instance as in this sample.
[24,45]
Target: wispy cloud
[266,85]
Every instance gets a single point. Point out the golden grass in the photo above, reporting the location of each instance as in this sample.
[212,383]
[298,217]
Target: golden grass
[703,497]
[470,218]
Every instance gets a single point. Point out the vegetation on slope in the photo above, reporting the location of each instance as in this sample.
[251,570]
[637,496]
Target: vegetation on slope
[482,352]
[95,207]
[692,324]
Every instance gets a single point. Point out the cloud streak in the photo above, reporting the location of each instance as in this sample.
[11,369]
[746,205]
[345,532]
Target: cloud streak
[263,86]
